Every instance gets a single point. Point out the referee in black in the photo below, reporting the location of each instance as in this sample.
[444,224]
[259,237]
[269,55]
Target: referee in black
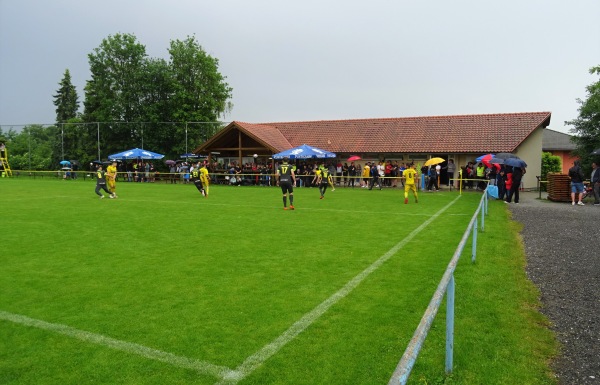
[286,179]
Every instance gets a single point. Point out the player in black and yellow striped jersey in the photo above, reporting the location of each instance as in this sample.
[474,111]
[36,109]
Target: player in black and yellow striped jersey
[286,179]
[196,179]
[323,182]
[101,182]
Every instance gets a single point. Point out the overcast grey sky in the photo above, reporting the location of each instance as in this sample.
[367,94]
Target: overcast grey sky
[320,59]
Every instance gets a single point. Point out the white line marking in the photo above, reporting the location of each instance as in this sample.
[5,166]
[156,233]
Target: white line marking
[201,367]
[257,359]
[227,375]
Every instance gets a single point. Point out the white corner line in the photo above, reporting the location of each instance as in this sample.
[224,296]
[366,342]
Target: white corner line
[257,359]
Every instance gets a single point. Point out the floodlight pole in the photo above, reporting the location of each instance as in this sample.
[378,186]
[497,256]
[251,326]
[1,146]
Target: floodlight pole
[29,145]
[186,128]
[98,128]
[62,141]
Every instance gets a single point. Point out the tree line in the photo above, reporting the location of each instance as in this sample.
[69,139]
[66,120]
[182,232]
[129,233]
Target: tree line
[131,100]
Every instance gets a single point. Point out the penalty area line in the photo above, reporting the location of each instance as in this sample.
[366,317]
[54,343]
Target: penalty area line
[257,359]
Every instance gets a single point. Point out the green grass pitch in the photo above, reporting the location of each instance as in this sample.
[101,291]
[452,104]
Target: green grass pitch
[163,286]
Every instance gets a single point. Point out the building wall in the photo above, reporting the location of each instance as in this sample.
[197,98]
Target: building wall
[530,151]
[566,160]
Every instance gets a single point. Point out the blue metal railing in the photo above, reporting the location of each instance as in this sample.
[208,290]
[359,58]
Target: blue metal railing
[446,286]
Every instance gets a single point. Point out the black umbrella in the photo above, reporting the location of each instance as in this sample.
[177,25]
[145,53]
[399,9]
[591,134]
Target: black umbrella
[595,152]
[515,162]
[505,155]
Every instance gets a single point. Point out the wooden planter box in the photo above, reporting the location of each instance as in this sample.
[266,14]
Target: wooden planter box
[559,187]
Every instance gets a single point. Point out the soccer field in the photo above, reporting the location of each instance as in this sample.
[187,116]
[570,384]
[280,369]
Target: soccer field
[163,286]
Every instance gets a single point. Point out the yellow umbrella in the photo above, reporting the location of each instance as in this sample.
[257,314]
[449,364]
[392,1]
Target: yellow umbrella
[434,161]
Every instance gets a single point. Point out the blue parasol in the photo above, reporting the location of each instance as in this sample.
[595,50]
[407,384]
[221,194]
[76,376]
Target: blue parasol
[136,153]
[305,152]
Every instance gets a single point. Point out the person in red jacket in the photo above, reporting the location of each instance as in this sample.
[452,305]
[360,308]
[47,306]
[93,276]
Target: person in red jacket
[508,184]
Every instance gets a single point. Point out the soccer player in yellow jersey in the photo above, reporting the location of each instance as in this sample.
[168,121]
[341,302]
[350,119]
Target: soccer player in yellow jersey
[366,174]
[315,182]
[409,176]
[204,179]
[111,176]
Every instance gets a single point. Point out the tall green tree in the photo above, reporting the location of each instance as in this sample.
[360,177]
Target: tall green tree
[66,99]
[587,125]
[32,148]
[202,94]
[115,91]
[146,102]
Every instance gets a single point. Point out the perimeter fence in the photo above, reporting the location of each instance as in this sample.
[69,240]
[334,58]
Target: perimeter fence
[445,287]
[244,179]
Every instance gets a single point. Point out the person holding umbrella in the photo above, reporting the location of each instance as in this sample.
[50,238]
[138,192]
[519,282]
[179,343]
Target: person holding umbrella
[518,171]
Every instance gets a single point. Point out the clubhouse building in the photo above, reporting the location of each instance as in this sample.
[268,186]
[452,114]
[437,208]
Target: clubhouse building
[415,139]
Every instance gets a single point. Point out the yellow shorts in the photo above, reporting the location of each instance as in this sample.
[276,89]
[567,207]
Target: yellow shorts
[410,187]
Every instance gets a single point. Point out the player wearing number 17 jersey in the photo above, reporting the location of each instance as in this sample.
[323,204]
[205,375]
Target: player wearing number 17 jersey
[286,180]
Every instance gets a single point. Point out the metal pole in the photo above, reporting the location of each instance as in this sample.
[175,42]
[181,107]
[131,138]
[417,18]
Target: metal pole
[29,144]
[450,325]
[98,127]
[483,213]
[186,139]
[62,141]
[474,247]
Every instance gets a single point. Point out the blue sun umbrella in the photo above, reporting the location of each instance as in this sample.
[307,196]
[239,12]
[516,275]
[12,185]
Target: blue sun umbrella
[65,163]
[136,153]
[305,152]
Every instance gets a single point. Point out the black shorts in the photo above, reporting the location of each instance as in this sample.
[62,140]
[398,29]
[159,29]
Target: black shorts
[286,187]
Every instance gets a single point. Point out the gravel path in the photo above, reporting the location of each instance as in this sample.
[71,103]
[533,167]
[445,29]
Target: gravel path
[562,245]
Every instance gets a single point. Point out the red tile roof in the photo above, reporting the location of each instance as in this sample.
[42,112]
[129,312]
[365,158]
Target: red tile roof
[488,133]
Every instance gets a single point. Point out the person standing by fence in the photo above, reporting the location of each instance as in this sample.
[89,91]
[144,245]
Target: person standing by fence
[450,170]
[517,175]
[576,176]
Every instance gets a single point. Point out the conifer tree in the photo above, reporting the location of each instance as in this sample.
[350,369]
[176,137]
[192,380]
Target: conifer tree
[66,100]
